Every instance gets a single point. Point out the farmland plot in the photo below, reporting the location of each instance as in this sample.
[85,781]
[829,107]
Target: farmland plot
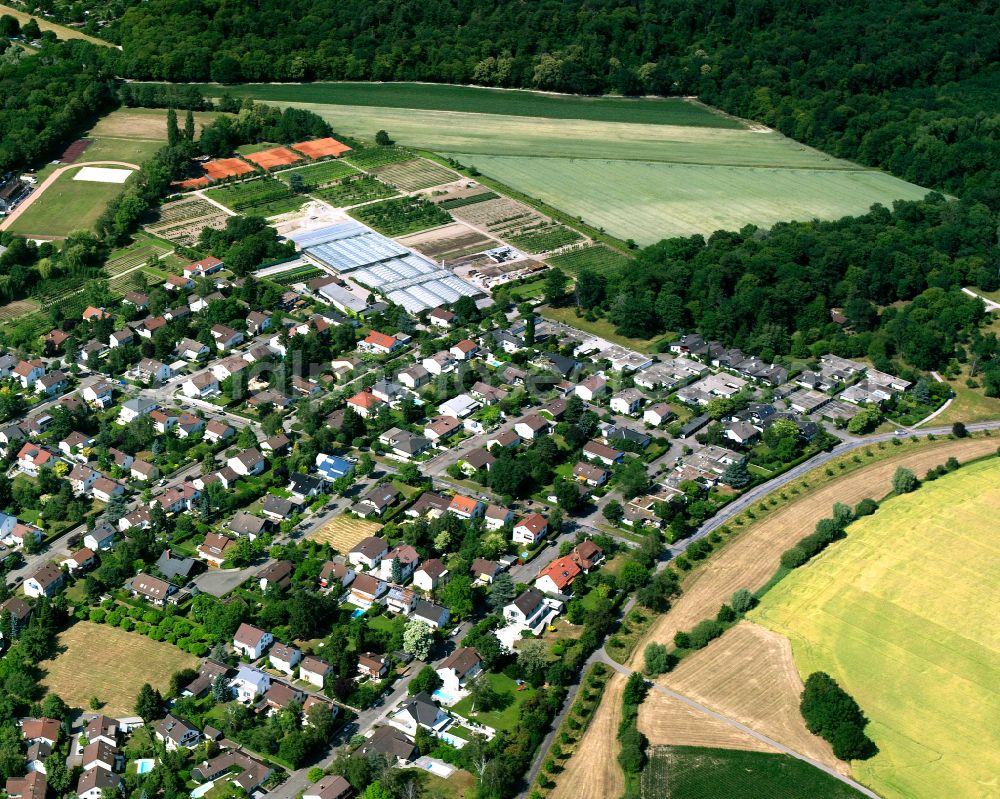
[316,175]
[353,191]
[402,216]
[416,174]
[182,221]
[911,633]
[596,258]
[264,197]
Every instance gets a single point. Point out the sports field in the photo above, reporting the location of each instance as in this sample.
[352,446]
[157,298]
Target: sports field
[65,206]
[641,169]
[691,772]
[111,664]
[903,613]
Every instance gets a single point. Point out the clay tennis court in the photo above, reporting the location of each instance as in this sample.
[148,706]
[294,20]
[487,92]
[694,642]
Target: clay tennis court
[74,151]
[193,183]
[322,148]
[277,156]
[226,168]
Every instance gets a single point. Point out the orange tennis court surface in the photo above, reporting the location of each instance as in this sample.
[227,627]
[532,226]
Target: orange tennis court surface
[321,148]
[226,168]
[269,159]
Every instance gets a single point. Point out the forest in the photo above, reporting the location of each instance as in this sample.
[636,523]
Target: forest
[895,274]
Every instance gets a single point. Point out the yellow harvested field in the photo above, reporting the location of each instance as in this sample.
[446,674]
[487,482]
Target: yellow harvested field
[752,558]
[903,614]
[111,664]
[665,720]
[749,675]
[593,771]
[343,533]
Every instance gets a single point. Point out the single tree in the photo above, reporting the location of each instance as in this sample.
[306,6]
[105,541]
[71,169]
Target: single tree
[904,481]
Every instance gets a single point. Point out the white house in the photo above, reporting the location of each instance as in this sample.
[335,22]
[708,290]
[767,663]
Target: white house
[430,575]
[203,384]
[251,642]
[314,671]
[627,402]
[590,389]
[284,658]
[102,537]
[531,529]
[248,462]
[134,408]
[249,683]
[532,426]
[458,668]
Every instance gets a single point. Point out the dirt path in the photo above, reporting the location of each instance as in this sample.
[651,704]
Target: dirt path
[31,198]
[752,559]
[593,771]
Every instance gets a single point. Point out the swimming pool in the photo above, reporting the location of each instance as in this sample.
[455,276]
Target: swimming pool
[444,697]
[357,612]
[145,765]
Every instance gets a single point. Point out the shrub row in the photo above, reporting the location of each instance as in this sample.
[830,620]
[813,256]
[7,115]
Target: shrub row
[830,712]
[181,633]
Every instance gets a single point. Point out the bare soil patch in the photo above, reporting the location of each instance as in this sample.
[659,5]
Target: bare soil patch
[343,533]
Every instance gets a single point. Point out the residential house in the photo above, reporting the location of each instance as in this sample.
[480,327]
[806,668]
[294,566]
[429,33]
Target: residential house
[459,407]
[248,462]
[100,394]
[251,642]
[591,475]
[173,566]
[528,611]
[141,470]
[216,431]
[595,450]
[368,552]
[414,377]
[531,529]
[119,338]
[434,616]
[152,589]
[258,322]
[47,581]
[134,408]
[314,671]
[101,754]
[430,575]
[372,666]
[102,728]
[332,467]
[464,349]
[150,370]
[366,590]
[305,486]
[280,695]
[531,426]
[247,525]
[213,549]
[484,571]
[456,670]
[284,658]
[466,507]
[334,574]
[97,782]
[27,372]
[204,267]
[332,786]
[365,404]
[591,388]
[407,559]
[627,402]
[52,383]
[504,440]
[497,516]
[379,343]
[440,428]
[175,733]
[278,509]
[188,425]
[277,575]
[201,385]
[657,414]
[377,500]
[163,421]
[440,317]
[391,742]
[33,457]
[440,363]
[105,489]
[420,711]
[225,337]
[558,575]
[249,683]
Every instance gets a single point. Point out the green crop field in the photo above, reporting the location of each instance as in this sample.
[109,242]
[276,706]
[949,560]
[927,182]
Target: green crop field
[353,191]
[401,216]
[468,99]
[371,157]
[316,175]
[264,197]
[902,613]
[694,772]
[597,259]
[67,205]
[647,201]
[544,238]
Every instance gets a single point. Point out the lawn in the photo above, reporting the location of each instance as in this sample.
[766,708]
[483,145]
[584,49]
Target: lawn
[888,612]
[67,205]
[599,327]
[646,201]
[111,664]
[460,785]
[501,719]
[467,99]
[343,532]
[695,772]
[144,123]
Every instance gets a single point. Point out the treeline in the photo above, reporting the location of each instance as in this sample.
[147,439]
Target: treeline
[632,756]
[830,712]
[772,292]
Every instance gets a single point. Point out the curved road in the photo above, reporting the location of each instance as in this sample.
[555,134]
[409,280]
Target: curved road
[36,193]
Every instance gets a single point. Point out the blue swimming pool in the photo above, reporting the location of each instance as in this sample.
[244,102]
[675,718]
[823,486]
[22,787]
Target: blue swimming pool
[144,766]
[357,612]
